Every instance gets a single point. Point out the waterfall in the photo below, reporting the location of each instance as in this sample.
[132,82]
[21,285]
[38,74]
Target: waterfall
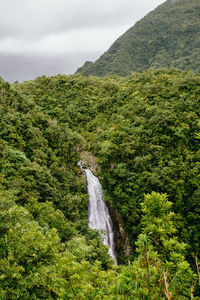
[98,215]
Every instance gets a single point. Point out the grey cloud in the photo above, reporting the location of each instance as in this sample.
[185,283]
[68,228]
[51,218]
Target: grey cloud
[32,22]
[31,19]
[26,67]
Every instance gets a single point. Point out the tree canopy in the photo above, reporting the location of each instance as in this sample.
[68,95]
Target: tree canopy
[143,132]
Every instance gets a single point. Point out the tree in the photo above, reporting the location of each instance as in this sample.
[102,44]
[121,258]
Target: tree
[160,269]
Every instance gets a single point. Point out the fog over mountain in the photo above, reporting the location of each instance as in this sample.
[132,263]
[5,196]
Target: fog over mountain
[57,36]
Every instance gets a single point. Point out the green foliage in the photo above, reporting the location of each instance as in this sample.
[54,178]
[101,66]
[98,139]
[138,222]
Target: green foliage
[160,269]
[144,133]
[166,37]
[35,264]
[43,203]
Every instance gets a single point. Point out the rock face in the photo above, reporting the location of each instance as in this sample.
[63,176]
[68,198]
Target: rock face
[90,162]
[167,37]
[122,241]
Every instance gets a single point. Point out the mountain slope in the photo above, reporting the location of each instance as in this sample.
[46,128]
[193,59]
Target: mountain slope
[167,37]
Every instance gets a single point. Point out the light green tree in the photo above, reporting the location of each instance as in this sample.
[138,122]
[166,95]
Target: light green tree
[160,271]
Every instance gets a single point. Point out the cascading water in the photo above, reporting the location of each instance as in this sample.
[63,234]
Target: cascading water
[98,215]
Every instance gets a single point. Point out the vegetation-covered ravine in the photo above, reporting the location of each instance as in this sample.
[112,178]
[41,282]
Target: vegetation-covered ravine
[143,132]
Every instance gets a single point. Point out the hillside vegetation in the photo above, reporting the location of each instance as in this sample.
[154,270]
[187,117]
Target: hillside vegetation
[144,132]
[167,37]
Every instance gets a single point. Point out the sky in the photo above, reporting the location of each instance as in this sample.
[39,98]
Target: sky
[50,37]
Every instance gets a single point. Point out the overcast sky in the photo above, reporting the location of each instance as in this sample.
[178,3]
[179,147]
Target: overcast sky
[49,37]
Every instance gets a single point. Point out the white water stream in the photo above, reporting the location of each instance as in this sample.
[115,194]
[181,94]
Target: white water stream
[98,214]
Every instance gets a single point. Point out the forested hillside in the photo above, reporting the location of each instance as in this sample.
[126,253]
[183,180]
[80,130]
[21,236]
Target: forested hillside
[144,133]
[167,37]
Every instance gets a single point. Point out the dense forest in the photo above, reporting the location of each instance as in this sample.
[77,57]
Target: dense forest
[167,37]
[143,132]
